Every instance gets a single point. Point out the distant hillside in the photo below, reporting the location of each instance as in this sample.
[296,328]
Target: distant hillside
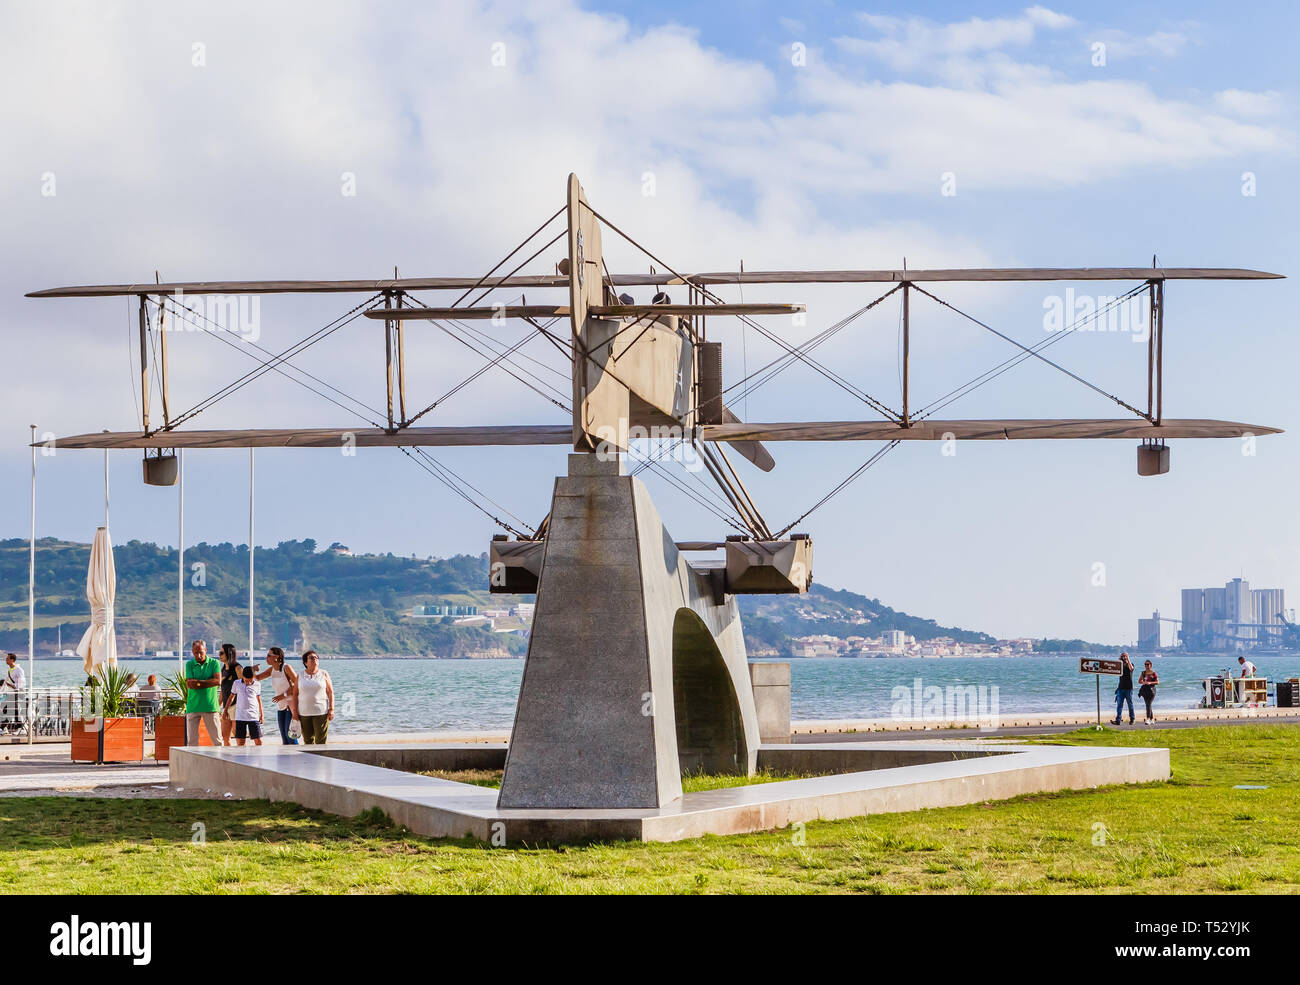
[339,603]
[771,620]
[349,604]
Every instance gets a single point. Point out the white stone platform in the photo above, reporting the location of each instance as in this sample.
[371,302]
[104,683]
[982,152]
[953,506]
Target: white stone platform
[886,777]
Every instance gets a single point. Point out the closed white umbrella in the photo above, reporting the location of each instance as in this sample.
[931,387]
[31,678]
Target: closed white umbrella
[99,644]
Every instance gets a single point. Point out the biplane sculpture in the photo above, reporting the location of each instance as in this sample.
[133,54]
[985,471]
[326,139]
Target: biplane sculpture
[636,667]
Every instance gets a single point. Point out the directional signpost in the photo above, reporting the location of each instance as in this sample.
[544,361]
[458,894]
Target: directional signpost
[1092,665]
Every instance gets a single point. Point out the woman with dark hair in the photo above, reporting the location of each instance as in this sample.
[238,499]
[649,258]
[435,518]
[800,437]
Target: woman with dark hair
[1147,689]
[1124,692]
[284,682]
[229,674]
[314,700]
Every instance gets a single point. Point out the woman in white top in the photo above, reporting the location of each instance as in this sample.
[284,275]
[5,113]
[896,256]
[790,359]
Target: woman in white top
[283,683]
[313,700]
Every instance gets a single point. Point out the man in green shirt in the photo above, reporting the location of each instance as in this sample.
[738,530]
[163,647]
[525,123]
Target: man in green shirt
[203,678]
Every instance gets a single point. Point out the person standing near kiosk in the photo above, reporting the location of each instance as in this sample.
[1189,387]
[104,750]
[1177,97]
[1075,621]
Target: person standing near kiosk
[1246,689]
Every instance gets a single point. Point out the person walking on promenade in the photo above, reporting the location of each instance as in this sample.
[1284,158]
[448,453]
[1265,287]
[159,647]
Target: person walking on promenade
[202,682]
[246,696]
[284,685]
[229,674]
[314,700]
[1124,692]
[15,680]
[1147,691]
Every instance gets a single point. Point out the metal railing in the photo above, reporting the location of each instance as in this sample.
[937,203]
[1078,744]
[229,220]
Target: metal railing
[50,711]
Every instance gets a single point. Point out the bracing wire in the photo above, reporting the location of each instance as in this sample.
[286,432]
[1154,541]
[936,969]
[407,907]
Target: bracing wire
[965,390]
[1013,361]
[439,470]
[266,366]
[1031,352]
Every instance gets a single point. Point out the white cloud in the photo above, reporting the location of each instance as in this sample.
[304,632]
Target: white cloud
[1036,132]
[1241,103]
[909,44]
[1166,44]
[1049,18]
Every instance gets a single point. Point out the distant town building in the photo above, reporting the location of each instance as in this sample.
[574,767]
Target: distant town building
[450,610]
[810,648]
[444,610]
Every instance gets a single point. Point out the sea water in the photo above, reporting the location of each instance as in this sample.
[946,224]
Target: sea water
[418,695]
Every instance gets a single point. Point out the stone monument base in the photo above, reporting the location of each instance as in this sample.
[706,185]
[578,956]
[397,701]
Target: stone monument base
[863,778]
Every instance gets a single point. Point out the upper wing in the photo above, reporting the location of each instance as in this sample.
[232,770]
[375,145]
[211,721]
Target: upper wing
[658,279]
[734,432]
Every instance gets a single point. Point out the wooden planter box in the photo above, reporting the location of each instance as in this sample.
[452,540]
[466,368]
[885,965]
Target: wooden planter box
[168,731]
[117,740]
[85,742]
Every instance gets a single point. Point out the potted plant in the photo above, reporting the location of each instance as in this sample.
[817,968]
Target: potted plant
[112,733]
[169,726]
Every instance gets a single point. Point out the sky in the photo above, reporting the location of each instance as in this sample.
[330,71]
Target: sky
[343,140]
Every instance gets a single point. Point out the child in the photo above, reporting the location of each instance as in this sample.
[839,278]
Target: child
[246,693]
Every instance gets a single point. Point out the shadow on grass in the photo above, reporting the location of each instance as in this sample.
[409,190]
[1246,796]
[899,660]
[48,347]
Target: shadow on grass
[36,823]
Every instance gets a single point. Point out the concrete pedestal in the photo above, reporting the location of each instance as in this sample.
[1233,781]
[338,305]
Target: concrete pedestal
[772,700]
[634,674]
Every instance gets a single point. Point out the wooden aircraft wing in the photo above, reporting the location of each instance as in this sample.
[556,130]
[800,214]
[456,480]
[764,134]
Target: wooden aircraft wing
[478,313]
[955,274]
[629,311]
[536,281]
[992,430]
[520,434]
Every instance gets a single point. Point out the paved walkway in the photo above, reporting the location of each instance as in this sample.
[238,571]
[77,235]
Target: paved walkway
[42,769]
[1023,731]
[1074,719]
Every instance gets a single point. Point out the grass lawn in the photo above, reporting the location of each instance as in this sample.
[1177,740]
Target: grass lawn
[1194,834]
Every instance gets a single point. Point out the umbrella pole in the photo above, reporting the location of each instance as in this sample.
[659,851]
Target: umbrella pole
[106,536]
[180,559]
[250,555]
[31,602]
